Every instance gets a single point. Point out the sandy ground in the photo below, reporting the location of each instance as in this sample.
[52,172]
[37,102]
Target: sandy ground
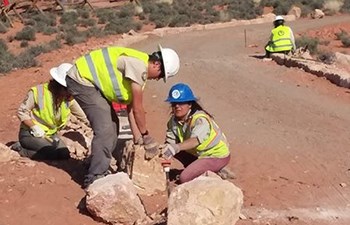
[288,131]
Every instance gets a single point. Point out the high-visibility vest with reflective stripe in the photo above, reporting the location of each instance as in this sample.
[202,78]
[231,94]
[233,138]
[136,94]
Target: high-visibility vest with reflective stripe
[281,40]
[216,144]
[100,67]
[44,113]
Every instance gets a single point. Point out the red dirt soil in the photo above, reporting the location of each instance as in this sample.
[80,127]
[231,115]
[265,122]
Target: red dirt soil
[45,193]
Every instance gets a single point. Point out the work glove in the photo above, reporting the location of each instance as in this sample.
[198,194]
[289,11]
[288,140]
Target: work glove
[169,150]
[37,131]
[151,147]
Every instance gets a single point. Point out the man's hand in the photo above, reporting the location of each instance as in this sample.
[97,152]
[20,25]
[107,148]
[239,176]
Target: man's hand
[169,150]
[151,147]
[37,131]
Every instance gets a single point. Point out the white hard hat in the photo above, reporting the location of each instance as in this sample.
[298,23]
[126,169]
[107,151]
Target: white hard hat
[279,18]
[59,73]
[171,62]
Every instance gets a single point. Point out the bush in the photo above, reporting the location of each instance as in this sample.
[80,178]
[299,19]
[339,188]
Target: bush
[119,26]
[69,18]
[105,15]
[52,45]
[310,43]
[345,40]
[346,7]
[242,9]
[326,57]
[6,58]
[341,34]
[3,28]
[72,36]
[86,22]
[27,33]
[83,13]
[3,46]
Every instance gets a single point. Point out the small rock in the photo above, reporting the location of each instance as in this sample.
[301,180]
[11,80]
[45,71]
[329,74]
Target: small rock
[242,217]
[342,184]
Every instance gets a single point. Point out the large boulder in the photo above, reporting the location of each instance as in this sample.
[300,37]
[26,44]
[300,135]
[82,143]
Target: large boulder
[296,11]
[6,154]
[113,199]
[147,176]
[317,14]
[206,200]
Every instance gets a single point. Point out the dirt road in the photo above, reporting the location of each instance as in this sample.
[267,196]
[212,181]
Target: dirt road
[288,130]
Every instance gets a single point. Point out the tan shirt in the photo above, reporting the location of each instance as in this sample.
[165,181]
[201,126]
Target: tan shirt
[24,111]
[201,131]
[130,67]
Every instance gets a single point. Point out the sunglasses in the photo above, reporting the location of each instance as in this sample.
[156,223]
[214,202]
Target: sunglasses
[173,104]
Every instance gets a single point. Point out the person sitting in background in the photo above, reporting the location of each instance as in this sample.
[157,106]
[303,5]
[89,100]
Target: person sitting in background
[44,111]
[193,137]
[281,39]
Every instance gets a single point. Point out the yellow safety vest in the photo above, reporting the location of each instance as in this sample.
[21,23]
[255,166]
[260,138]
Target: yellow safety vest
[281,40]
[100,68]
[215,146]
[44,112]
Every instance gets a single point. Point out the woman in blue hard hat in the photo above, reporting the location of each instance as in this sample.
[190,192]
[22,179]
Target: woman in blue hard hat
[44,112]
[193,137]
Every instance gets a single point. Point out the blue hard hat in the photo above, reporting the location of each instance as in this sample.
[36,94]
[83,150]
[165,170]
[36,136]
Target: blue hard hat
[181,93]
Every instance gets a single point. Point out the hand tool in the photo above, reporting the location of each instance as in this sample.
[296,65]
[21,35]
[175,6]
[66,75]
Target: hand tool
[166,168]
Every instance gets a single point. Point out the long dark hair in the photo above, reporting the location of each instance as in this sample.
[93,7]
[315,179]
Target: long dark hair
[196,106]
[57,91]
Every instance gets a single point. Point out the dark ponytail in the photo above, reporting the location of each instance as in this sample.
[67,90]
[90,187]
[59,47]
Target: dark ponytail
[196,106]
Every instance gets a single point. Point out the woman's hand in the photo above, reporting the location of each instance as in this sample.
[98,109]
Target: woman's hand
[169,150]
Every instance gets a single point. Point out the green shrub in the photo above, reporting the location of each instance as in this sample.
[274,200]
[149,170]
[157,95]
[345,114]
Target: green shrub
[27,33]
[83,13]
[86,22]
[52,45]
[95,32]
[72,36]
[345,40]
[242,9]
[3,46]
[126,11]
[3,28]
[341,34]
[310,43]
[69,18]
[326,57]
[346,7]
[161,15]
[105,15]
[25,60]
[180,21]
[119,26]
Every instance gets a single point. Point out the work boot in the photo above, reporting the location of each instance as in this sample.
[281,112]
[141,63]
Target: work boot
[225,173]
[23,152]
[89,179]
[16,146]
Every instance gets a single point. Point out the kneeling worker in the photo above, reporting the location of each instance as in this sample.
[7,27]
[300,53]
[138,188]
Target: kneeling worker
[281,39]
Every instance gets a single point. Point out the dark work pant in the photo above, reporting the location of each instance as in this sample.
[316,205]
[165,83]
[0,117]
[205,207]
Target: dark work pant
[268,53]
[194,167]
[104,123]
[41,148]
